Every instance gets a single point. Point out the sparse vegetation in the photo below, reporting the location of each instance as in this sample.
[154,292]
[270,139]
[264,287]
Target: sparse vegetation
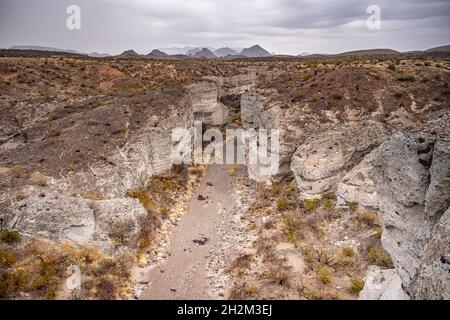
[356,285]
[292,227]
[348,251]
[312,204]
[10,236]
[368,217]
[282,204]
[379,257]
[324,274]
[353,206]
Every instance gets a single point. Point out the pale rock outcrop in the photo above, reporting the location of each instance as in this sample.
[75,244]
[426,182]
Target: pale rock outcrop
[320,163]
[382,284]
[59,217]
[90,207]
[412,172]
[358,185]
[205,104]
[252,104]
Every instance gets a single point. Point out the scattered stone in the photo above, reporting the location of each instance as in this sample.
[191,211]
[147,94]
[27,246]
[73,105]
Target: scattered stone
[202,241]
[201,198]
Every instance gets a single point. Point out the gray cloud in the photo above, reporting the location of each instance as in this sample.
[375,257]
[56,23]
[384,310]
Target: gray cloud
[284,26]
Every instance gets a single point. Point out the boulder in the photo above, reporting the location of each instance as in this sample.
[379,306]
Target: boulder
[382,284]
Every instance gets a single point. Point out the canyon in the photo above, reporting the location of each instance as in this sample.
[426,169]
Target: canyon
[360,205]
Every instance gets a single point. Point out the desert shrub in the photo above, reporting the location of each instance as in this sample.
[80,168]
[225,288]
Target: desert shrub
[291,227]
[278,274]
[337,95]
[290,189]
[406,78]
[237,119]
[353,206]
[38,180]
[10,236]
[312,204]
[297,95]
[244,291]
[282,204]
[232,171]
[17,170]
[20,195]
[120,130]
[391,66]
[243,261]
[398,94]
[326,203]
[368,217]
[379,257]
[356,285]
[348,251]
[324,274]
[143,198]
[7,258]
[164,211]
[55,132]
[276,189]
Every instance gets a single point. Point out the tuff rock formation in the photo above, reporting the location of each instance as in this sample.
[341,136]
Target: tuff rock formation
[412,176]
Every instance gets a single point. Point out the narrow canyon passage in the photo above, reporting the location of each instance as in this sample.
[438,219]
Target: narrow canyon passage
[198,237]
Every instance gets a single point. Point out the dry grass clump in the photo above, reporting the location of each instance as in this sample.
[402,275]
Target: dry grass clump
[38,180]
[312,204]
[237,119]
[348,251]
[17,170]
[356,285]
[292,224]
[368,217]
[324,274]
[244,291]
[380,257]
[353,206]
[282,204]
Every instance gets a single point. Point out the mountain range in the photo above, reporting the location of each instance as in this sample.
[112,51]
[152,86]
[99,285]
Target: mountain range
[255,51]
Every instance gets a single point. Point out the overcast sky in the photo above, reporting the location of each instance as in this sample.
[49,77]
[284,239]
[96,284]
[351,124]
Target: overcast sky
[281,26]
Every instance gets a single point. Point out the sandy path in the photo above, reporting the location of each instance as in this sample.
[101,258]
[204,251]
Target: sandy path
[186,272]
